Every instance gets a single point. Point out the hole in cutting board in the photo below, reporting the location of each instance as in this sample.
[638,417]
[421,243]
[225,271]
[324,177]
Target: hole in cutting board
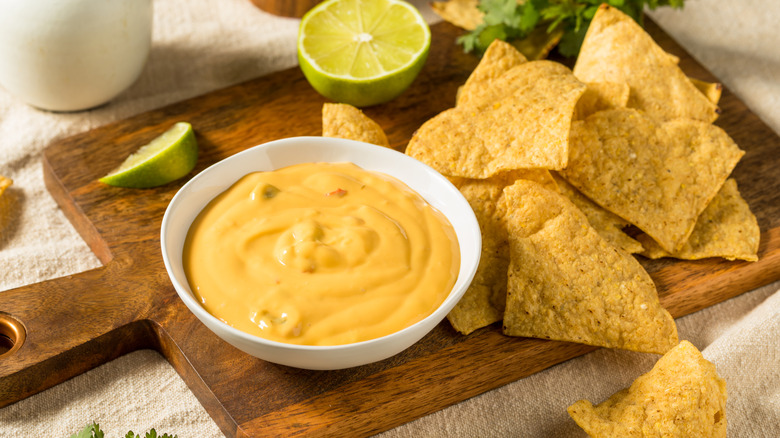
[12,334]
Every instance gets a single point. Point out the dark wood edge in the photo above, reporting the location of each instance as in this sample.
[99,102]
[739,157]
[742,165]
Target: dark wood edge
[73,212]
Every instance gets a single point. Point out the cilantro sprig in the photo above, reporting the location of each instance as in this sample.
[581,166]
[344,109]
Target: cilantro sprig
[509,20]
[93,431]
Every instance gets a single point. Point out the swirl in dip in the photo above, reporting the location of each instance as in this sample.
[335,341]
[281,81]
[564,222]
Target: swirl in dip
[320,254]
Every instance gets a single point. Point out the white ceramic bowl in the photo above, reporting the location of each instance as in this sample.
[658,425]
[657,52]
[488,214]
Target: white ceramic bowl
[194,196]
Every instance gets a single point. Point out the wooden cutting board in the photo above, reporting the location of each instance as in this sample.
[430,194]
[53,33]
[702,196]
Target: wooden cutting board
[75,323]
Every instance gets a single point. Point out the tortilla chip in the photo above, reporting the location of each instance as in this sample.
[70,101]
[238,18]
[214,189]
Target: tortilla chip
[541,176]
[617,49]
[682,396]
[521,120]
[600,96]
[484,301]
[498,59]
[341,120]
[4,183]
[567,283]
[657,176]
[727,228]
[712,90]
[610,226]
[461,13]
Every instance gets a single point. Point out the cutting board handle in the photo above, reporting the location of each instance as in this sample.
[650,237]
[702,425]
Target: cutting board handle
[60,328]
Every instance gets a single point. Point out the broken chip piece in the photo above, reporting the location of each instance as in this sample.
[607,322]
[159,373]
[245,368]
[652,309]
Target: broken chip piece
[565,282]
[657,176]
[682,396]
[617,49]
[727,228]
[712,90]
[5,183]
[342,120]
[461,13]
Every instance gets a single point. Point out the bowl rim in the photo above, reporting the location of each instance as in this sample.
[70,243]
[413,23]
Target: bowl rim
[187,296]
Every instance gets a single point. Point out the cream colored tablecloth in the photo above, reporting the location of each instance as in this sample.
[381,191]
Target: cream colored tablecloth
[200,46]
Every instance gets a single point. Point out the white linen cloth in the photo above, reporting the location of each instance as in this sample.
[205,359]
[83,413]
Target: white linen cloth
[200,46]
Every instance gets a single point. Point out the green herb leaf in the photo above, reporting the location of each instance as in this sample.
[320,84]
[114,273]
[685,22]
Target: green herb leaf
[151,434]
[510,20]
[93,431]
[500,12]
[89,431]
[571,42]
[529,18]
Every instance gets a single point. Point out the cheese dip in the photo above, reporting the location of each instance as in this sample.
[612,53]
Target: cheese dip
[320,254]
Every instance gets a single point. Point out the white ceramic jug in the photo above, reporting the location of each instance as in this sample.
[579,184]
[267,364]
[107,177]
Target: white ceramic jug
[70,55]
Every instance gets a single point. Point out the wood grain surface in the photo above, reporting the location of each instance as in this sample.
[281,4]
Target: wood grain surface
[78,322]
[286,8]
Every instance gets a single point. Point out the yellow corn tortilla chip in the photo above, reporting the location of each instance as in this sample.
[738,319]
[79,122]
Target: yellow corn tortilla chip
[600,96]
[5,183]
[341,120]
[657,176]
[461,13]
[712,90]
[504,74]
[499,58]
[682,396]
[617,49]
[541,176]
[609,225]
[484,301]
[521,120]
[567,283]
[727,228]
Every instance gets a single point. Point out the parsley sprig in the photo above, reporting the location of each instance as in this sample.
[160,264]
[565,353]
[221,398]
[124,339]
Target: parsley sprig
[509,20]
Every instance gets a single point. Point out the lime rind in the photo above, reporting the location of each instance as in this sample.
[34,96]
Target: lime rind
[168,157]
[366,52]
[337,36]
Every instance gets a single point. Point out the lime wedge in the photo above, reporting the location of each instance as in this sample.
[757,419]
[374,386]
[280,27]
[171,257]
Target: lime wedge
[362,52]
[166,158]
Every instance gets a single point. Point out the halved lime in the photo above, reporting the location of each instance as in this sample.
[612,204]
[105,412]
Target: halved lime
[362,52]
[166,158]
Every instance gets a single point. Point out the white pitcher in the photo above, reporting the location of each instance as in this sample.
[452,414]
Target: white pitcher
[70,55]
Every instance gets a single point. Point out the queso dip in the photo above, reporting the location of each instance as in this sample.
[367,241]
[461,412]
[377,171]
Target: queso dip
[320,254]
